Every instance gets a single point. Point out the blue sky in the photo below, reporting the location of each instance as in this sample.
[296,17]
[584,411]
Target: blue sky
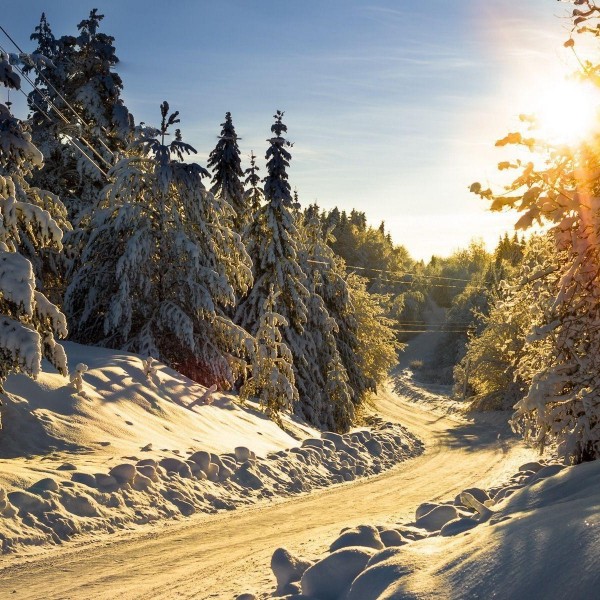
[393,106]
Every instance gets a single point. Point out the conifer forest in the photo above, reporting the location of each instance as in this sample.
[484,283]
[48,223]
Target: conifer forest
[184,331]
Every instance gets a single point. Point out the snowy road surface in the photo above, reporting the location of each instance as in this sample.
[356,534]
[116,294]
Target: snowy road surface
[219,556]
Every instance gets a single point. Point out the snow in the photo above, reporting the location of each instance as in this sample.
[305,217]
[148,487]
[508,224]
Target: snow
[329,578]
[533,534]
[538,541]
[129,442]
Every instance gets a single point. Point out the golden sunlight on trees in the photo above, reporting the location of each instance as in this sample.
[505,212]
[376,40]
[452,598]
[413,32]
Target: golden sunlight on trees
[559,363]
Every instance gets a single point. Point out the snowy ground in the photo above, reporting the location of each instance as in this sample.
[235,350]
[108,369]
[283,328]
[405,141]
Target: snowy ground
[222,555]
[535,536]
[132,449]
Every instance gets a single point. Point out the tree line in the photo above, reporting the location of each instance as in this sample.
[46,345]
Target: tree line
[110,228]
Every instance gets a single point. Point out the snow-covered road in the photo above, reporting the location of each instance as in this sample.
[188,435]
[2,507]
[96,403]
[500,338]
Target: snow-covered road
[219,556]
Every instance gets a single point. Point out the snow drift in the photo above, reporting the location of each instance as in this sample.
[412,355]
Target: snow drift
[127,444]
[535,536]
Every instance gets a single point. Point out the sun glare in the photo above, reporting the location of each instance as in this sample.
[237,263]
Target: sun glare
[568,112]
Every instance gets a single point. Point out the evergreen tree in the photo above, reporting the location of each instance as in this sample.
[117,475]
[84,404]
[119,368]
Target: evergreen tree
[327,273]
[322,378]
[28,320]
[272,245]
[253,195]
[378,346]
[225,163]
[46,127]
[496,354]
[81,84]
[162,265]
[276,243]
[272,381]
[80,124]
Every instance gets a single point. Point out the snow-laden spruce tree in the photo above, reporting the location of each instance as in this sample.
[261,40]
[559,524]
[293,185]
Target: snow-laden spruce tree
[274,242]
[271,243]
[224,161]
[76,110]
[254,195]
[561,362]
[162,265]
[327,272]
[28,320]
[272,379]
[79,80]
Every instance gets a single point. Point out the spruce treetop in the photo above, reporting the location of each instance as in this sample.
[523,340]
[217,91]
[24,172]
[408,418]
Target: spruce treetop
[46,42]
[277,187]
[224,160]
[252,177]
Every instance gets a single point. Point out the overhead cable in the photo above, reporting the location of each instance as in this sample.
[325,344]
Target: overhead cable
[49,84]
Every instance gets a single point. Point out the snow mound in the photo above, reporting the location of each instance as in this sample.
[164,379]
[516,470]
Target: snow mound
[129,446]
[437,517]
[541,542]
[365,536]
[287,568]
[331,577]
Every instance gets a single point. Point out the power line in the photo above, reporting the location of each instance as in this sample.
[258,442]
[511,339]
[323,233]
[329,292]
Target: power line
[433,331]
[60,114]
[48,83]
[396,272]
[69,138]
[433,325]
[400,273]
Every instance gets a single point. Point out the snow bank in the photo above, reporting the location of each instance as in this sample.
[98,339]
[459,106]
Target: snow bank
[538,541]
[132,447]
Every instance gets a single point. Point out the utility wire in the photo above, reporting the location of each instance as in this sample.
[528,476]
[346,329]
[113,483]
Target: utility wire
[400,273]
[396,272]
[58,112]
[69,138]
[48,83]
[432,331]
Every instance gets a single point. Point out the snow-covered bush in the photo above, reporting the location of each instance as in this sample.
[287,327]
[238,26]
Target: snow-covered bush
[76,378]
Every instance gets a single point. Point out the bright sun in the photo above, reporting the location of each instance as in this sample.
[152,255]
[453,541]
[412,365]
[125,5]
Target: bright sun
[567,112]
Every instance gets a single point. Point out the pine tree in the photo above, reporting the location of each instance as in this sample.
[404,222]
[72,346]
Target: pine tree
[46,126]
[328,273]
[81,84]
[162,265]
[225,163]
[253,195]
[276,243]
[271,243]
[28,320]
